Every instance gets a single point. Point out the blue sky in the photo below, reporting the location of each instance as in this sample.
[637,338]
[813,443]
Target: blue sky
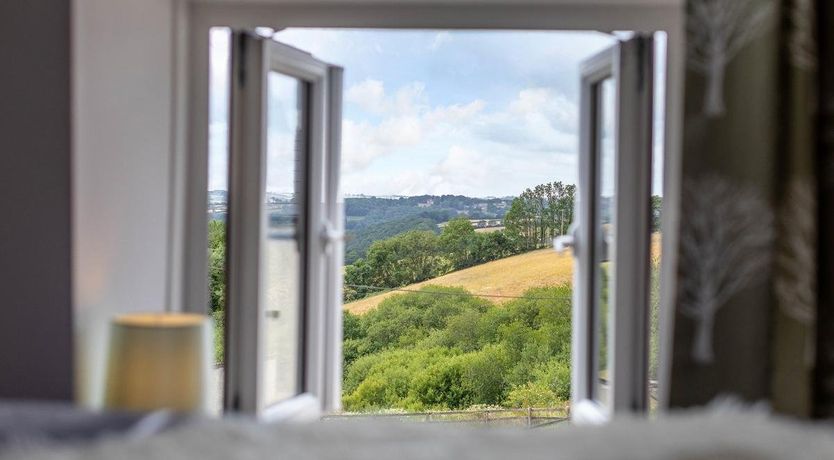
[465,112]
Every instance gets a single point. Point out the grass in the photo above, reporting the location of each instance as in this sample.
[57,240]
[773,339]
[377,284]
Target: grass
[511,276]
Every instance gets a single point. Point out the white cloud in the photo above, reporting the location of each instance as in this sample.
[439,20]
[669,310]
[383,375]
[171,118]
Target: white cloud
[439,39]
[463,170]
[513,122]
[456,113]
[537,127]
[218,156]
[407,121]
[362,142]
[538,119]
[482,171]
[547,104]
[368,95]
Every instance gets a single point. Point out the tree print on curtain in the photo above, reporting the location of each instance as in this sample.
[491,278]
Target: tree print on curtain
[796,260]
[725,247]
[716,31]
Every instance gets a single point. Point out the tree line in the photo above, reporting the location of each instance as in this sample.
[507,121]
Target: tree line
[541,213]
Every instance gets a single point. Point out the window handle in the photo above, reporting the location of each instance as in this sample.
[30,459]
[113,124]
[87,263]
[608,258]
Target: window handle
[564,242]
[330,235]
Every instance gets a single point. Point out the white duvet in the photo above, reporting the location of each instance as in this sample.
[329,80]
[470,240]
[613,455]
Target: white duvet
[687,436]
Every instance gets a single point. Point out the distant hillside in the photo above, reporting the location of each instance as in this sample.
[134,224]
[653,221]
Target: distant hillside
[510,276]
[360,239]
[370,219]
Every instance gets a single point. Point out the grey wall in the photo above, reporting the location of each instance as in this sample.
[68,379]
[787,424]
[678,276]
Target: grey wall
[35,231]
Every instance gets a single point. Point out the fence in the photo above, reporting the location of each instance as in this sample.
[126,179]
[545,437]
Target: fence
[530,417]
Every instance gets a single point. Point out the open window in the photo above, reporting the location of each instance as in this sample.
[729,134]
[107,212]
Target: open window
[309,374]
[611,238]
[283,327]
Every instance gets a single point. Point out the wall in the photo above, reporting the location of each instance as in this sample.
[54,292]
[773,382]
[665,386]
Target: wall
[35,339]
[122,72]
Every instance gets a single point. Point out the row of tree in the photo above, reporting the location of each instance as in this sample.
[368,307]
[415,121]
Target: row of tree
[541,213]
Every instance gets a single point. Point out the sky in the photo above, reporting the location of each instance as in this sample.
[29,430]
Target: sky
[476,113]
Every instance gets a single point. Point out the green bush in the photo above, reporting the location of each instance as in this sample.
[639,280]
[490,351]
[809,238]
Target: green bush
[441,386]
[442,348]
[555,375]
[218,323]
[485,372]
[532,394]
[384,380]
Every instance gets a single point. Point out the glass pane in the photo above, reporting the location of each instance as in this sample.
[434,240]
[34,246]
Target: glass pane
[605,122]
[282,245]
[657,204]
[218,172]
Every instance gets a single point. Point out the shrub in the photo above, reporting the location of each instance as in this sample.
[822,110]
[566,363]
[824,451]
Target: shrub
[442,348]
[531,394]
[485,374]
[462,331]
[441,386]
[555,374]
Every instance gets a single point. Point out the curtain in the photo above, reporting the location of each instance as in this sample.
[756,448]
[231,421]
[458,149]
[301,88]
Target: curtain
[823,388]
[745,319]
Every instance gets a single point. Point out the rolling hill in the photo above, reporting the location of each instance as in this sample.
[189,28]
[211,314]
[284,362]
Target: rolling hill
[510,276]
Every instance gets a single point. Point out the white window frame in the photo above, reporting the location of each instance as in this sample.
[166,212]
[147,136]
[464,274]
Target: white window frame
[630,65]
[253,58]
[194,18]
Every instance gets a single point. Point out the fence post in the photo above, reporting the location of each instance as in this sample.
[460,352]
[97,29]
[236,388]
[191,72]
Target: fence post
[529,417]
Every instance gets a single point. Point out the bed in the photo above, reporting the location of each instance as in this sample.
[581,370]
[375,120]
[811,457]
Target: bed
[692,435]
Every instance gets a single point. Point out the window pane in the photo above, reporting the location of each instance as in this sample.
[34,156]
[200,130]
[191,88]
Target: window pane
[283,247]
[606,113]
[657,204]
[218,172]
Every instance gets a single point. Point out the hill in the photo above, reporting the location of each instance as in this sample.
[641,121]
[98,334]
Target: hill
[510,276]
[370,219]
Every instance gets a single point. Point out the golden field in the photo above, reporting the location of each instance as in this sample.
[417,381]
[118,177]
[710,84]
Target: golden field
[510,276]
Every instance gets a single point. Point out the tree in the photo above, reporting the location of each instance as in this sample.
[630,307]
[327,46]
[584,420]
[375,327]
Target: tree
[485,247]
[657,208]
[541,213]
[358,281]
[517,223]
[217,265]
[455,242]
[406,259]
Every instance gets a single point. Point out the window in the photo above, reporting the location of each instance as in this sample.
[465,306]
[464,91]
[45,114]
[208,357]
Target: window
[612,238]
[318,329]
[282,227]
